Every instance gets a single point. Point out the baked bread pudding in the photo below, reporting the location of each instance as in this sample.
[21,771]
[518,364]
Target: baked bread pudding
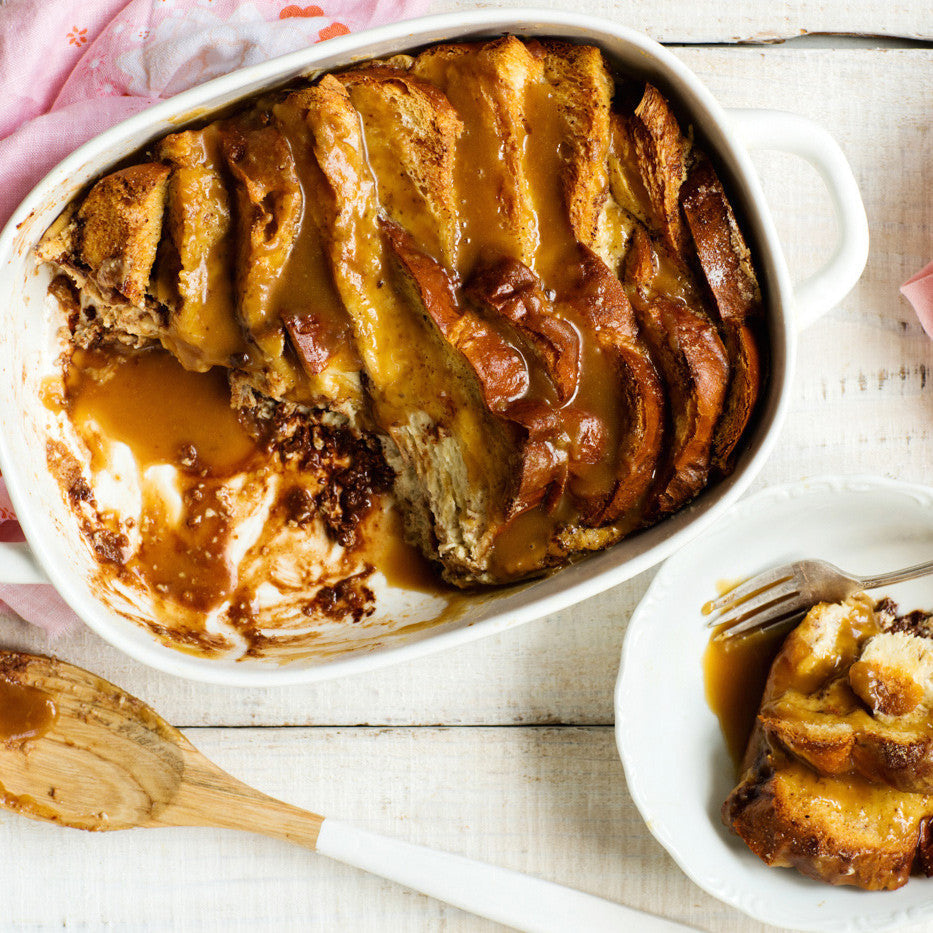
[838,777]
[497,269]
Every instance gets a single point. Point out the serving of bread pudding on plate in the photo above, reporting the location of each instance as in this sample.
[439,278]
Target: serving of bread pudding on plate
[837,780]
[491,281]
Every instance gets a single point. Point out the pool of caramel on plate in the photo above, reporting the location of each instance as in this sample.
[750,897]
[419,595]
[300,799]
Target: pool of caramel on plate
[735,671]
[168,415]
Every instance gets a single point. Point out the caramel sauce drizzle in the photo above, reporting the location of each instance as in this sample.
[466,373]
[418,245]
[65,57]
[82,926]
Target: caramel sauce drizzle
[25,712]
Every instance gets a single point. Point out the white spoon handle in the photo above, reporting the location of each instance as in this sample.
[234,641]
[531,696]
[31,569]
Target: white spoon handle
[500,894]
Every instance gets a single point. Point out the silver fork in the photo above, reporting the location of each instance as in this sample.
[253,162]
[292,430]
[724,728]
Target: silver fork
[782,596]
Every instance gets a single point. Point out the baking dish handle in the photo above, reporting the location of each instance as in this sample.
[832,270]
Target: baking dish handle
[790,132]
[18,565]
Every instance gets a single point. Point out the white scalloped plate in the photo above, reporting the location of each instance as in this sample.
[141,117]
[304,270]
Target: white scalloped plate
[675,760]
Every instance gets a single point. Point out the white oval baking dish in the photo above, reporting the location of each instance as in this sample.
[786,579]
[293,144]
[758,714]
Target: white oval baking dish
[56,551]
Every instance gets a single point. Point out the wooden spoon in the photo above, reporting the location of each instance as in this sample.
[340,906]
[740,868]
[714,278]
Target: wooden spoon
[76,750]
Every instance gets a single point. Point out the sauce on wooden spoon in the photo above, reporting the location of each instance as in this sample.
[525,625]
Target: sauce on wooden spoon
[25,712]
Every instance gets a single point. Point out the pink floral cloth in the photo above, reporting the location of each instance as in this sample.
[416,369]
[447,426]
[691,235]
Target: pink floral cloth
[71,68]
[918,290]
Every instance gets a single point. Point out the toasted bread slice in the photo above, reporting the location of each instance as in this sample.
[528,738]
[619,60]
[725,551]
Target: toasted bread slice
[119,225]
[107,246]
[837,774]
[456,457]
[727,266]
[661,151]
[269,204]
[312,312]
[509,290]
[486,84]
[499,365]
[688,352]
[195,277]
[601,305]
[839,831]
[625,179]
[110,240]
[411,134]
[274,246]
[579,90]
[871,714]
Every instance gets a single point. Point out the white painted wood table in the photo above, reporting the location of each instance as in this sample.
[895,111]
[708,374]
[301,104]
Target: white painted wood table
[503,749]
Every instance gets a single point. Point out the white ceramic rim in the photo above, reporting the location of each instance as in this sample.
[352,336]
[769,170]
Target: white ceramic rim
[675,532]
[742,900]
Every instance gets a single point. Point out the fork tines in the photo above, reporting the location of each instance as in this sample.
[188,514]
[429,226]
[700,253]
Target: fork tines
[773,596]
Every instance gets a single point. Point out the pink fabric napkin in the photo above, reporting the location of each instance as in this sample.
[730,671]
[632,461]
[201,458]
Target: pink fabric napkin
[918,290]
[71,68]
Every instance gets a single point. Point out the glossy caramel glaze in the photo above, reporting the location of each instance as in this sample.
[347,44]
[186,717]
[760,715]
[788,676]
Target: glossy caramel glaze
[735,671]
[25,712]
[163,412]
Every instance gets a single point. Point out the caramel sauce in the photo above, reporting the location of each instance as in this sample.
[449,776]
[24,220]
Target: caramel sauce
[402,564]
[203,331]
[485,186]
[25,712]
[187,561]
[167,415]
[556,254]
[162,412]
[598,394]
[722,587]
[524,542]
[307,285]
[735,671]
[674,282]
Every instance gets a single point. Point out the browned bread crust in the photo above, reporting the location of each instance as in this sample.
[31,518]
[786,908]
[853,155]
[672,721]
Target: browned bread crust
[601,303]
[411,138]
[786,818]
[689,354]
[509,290]
[118,228]
[195,270]
[661,151]
[838,773]
[730,275]
[581,91]
[486,84]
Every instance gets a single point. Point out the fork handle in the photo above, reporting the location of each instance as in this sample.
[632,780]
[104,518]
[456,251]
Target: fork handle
[896,576]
